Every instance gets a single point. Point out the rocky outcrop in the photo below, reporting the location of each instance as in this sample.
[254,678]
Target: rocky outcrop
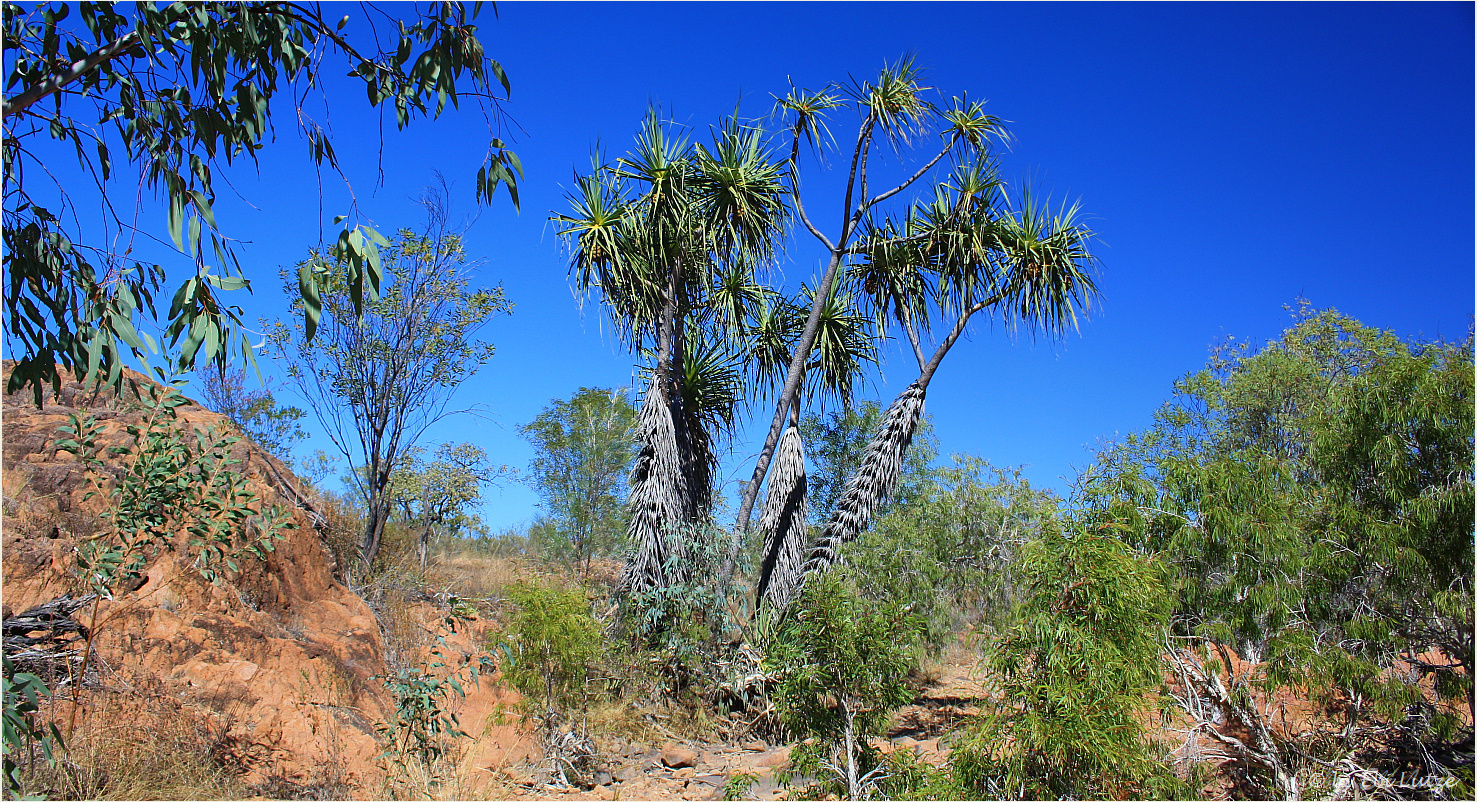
[279,663]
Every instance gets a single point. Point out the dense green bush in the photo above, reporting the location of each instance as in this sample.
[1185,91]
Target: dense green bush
[1074,673]
[842,663]
[686,620]
[550,644]
[1315,495]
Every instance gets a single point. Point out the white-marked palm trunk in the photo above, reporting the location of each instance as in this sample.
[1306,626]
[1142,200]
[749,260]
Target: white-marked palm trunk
[866,490]
[658,501]
[783,524]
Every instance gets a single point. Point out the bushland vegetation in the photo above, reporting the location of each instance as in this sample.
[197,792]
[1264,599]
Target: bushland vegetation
[1296,525]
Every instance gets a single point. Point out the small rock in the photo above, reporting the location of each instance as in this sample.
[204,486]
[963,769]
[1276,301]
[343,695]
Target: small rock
[905,742]
[603,778]
[605,792]
[627,773]
[677,757]
[682,773]
[774,759]
[713,780]
[755,746]
[636,749]
[930,745]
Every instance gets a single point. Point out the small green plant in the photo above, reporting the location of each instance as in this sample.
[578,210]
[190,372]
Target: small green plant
[423,717]
[905,775]
[685,619]
[24,733]
[177,491]
[737,786]
[172,483]
[1074,672]
[550,644]
[843,663]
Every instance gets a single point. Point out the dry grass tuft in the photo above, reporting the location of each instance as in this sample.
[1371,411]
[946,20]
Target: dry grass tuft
[126,748]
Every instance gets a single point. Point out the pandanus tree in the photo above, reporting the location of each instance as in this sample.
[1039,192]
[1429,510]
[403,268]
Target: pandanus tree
[894,111]
[960,251]
[671,237]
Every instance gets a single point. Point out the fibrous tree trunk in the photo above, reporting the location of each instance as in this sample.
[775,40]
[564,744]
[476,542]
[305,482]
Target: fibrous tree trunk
[866,491]
[658,494]
[783,524]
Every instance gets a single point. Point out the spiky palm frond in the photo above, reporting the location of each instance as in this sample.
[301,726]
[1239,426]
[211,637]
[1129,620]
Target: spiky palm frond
[660,160]
[968,121]
[734,301]
[658,501]
[740,195]
[769,341]
[895,102]
[892,276]
[804,112]
[872,484]
[783,524]
[711,384]
[1050,267]
[844,346]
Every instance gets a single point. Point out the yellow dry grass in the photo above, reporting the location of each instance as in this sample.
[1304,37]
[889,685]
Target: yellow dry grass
[125,749]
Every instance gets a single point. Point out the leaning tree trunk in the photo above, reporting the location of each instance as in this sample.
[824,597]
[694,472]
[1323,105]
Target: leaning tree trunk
[872,484]
[783,524]
[658,494]
[865,491]
[374,531]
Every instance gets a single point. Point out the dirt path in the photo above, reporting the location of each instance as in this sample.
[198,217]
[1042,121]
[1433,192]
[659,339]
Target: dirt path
[699,770]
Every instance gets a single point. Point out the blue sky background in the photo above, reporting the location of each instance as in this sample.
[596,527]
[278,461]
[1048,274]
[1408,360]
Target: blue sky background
[1231,158]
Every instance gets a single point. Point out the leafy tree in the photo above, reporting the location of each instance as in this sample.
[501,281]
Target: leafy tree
[173,93]
[842,664]
[551,642]
[434,495]
[255,412]
[960,250]
[839,441]
[377,381]
[1075,672]
[1316,497]
[583,449]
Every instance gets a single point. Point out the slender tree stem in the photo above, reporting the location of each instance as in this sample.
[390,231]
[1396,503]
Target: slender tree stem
[797,363]
[912,336]
[925,375]
[900,187]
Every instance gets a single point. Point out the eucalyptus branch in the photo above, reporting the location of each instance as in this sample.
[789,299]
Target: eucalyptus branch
[78,69]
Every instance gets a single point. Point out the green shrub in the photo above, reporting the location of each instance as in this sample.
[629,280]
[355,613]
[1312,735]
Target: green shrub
[24,732]
[550,644]
[842,664]
[949,552]
[685,621]
[1075,671]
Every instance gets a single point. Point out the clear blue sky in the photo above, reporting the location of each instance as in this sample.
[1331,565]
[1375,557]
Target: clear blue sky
[1230,157]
